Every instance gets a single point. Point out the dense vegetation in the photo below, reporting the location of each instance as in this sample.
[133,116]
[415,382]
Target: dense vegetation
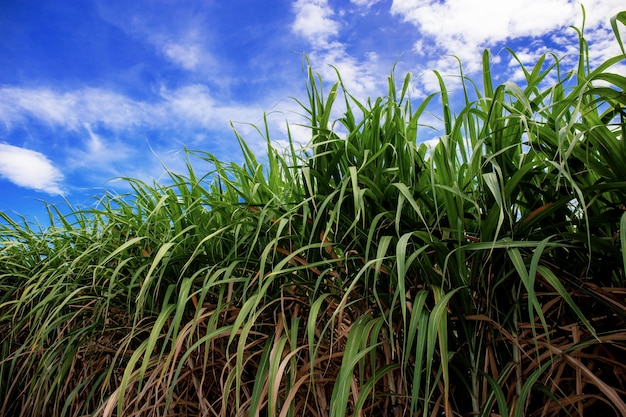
[363,275]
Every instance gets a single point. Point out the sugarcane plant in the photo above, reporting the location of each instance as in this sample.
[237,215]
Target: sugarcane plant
[363,274]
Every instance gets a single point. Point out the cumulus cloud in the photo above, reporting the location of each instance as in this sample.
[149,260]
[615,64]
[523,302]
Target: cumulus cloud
[477,22]
[29,169]
[314,21]
[362,77]
[465,27]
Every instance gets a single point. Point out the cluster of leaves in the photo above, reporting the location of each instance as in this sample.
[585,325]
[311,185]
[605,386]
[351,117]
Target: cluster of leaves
[364,275]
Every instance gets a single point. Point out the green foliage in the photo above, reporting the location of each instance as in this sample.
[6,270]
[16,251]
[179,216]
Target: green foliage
[365,274]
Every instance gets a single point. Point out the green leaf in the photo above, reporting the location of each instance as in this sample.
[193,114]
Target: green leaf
[620,17]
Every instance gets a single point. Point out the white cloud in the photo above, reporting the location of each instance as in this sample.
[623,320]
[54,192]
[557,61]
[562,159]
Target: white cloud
[314,21]
[114,130]
[187,47]
[476,22]
[192,106]
[49,105]
[100,152]
[29,169]
[465,27]
[598,12]
[182,35]
[187,56]
[70,109]
[361,76]
[366,3]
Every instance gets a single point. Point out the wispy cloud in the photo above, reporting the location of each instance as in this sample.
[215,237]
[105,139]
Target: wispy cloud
[315,21]
[29,169]
[366,3]
[187,47]
[181,35]
[190,105]
[99,153]
[187,56]
[113,135]
[70,109]
[108,135]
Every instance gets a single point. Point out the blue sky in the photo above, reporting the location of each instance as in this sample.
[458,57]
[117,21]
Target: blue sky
[92,90]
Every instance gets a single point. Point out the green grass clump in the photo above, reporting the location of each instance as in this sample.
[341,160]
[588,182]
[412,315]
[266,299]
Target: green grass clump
[363,275]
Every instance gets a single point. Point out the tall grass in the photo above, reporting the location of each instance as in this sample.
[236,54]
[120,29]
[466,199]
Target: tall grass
[363,275]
